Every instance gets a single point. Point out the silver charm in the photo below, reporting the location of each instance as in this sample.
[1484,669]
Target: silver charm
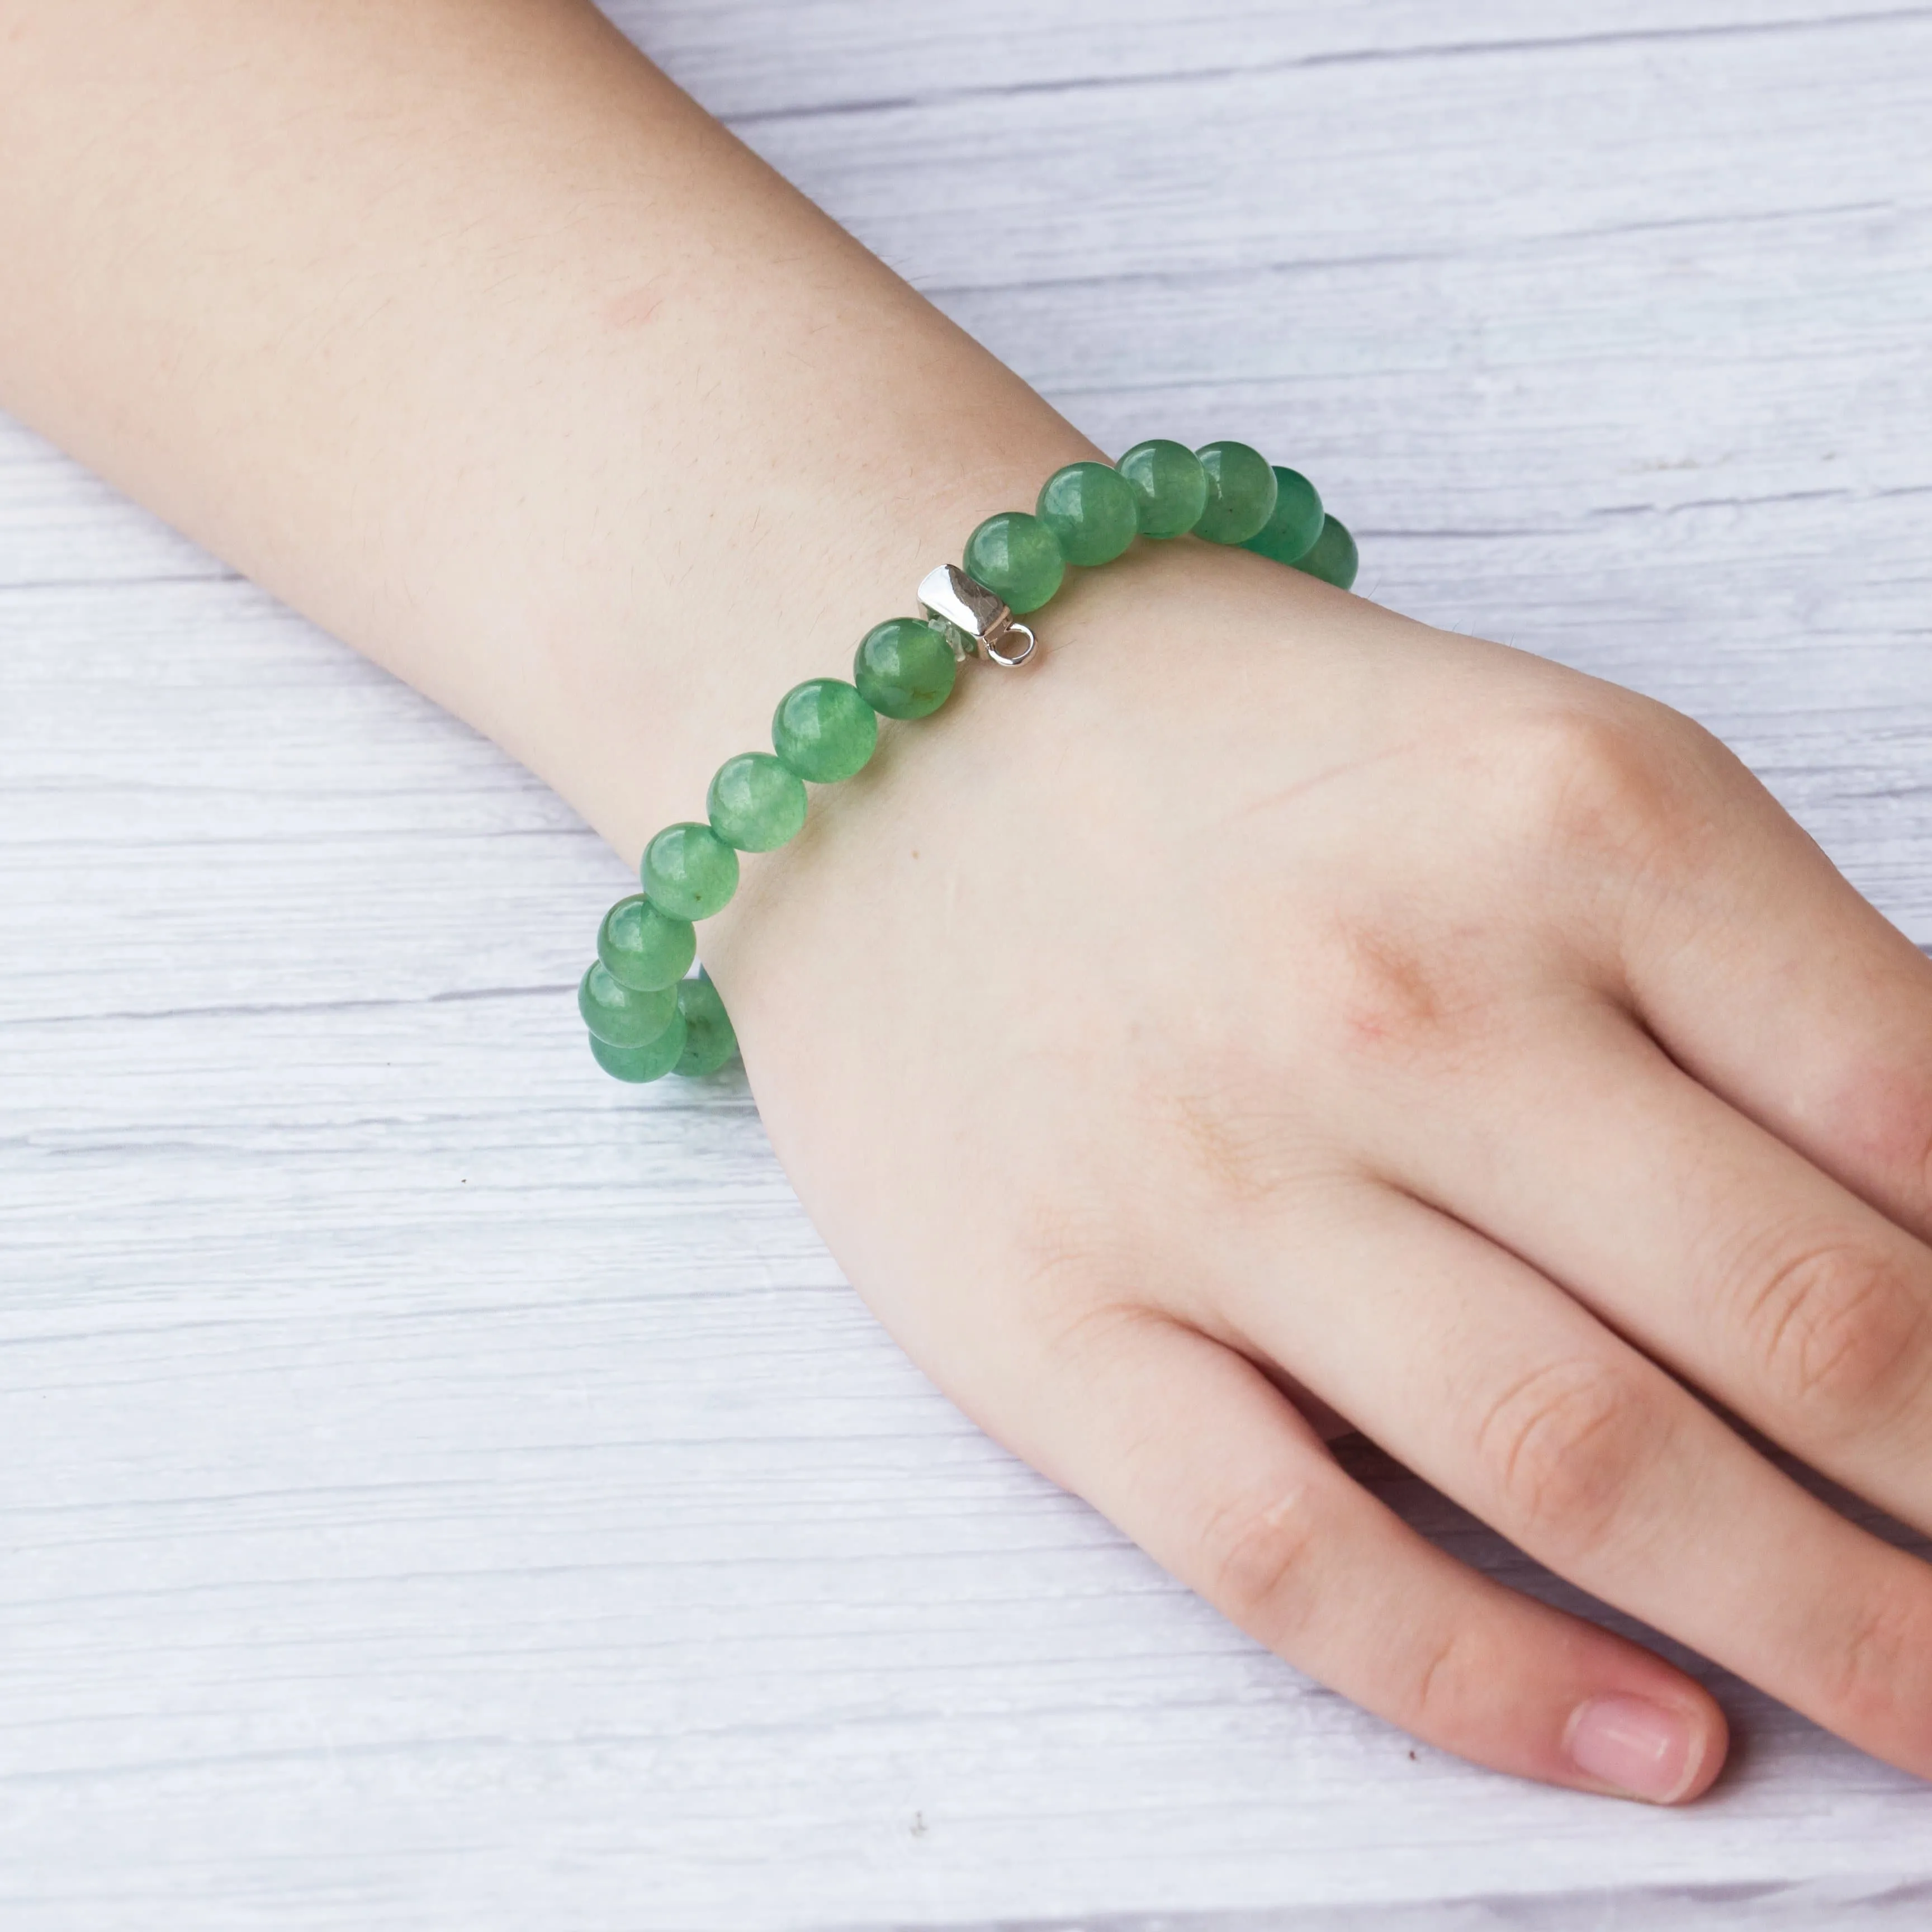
[973,616]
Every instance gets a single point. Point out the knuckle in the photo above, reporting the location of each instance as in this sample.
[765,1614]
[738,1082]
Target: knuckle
[1235,1143]
[1394,991]
[1915,1137]
[1881,1115]
[1879,1668]
[1259,1555]
[1068,1258]
[1565,1447]
[1839,1329]
[1624,784]
[1091,1335]
[1398,1000]
[1440,1698]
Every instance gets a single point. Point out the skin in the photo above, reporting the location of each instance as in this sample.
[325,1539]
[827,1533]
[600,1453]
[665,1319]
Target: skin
[1264,1016]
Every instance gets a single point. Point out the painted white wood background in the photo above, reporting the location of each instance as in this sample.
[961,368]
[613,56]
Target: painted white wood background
[443,1490]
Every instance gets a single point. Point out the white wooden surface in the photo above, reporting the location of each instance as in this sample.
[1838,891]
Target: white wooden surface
[440,1489]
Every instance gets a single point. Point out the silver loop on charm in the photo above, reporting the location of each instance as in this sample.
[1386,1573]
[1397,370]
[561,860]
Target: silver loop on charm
[975,618]
[1014,629]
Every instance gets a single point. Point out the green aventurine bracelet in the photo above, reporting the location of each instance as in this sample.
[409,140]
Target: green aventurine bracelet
[646,1018]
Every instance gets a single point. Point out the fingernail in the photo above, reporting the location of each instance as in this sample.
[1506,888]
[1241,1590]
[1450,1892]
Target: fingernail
[1640,1748]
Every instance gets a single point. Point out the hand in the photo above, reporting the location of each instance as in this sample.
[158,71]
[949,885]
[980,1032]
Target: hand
[1269,1001]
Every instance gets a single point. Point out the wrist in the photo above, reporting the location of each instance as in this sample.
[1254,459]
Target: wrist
[661,681]
[906,859]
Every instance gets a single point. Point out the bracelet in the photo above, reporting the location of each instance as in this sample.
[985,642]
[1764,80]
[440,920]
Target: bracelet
[647,1019]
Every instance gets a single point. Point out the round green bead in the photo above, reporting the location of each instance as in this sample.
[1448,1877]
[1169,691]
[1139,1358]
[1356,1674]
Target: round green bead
[1289,533]
[643,948]
[1091,510]
[1240,492]
[689,872]
[620,1015]
[1017,558]
[754,803]
[904,668]
[643,1062]
[1333,557]
[824,731]
[709,1039]
[1169,485]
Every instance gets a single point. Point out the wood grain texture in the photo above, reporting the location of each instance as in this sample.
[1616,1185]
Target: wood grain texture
[438,1489]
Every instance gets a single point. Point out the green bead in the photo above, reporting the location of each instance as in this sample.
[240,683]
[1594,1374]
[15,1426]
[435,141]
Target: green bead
[1240,492]
[1333,558]
[620,1015]
[904,668]
[1091,510]
[754,803]
[1169,485]
[643,1062]
[689,872]
[1017,558]
[643,948]
[1289,534]
[824,731]
[709,1040]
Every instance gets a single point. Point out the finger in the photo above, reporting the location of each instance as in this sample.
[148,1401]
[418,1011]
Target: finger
[1191,1451]
[1707,1241]
[1482,1374]
[1762,972]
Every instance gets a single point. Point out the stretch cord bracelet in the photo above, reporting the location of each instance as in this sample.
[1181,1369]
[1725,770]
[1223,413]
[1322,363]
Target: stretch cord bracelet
[645,1018]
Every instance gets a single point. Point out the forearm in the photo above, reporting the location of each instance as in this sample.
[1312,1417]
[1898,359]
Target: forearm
[459,328]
